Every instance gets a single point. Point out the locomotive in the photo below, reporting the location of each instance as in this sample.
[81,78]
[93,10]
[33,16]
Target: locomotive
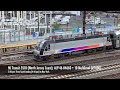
[62,45]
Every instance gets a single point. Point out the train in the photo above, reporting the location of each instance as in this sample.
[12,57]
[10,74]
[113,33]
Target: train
[65,45]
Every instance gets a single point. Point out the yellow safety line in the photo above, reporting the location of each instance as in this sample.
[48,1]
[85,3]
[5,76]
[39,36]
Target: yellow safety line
[17,45]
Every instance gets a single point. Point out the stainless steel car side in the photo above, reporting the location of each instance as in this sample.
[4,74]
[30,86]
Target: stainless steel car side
[58,47]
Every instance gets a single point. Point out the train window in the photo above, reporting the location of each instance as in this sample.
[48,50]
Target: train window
[118,38]
[46,49]
[111,36]
[39,44]
[108,39]
[49,47]
[67,36]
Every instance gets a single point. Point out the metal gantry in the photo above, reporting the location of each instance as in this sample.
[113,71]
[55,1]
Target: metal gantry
[27,22]
[25,18]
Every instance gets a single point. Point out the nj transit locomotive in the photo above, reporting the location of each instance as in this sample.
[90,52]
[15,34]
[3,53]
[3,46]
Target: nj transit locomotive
[72,45]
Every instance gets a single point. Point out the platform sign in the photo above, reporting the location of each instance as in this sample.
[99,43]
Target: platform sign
[76,30]
[34,34]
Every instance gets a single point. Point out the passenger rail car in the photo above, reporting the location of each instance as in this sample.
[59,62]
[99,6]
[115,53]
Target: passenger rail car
[115,38]
[69,46]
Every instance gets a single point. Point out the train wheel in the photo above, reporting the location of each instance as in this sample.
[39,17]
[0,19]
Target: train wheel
[44,58]
[109,47]
[94,50]
[89,51]
[66,54]
[70,53]
[100,49]
[61,55]
[36,58]
[52,57]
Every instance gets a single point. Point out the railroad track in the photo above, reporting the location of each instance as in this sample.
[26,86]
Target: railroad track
[86,63]
[85,74]
[29,59]
[74,74]
[67,60]
[111,56]
[16,52]
[82,74]
[15,57]
[112,76]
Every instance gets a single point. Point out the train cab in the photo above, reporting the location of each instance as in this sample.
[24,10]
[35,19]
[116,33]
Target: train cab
[43,48]
[115,38]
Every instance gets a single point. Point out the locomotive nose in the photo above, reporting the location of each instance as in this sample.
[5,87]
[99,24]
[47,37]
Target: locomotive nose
[35,52]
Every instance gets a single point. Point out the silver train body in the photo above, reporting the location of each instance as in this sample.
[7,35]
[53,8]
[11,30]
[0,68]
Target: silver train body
[47,48]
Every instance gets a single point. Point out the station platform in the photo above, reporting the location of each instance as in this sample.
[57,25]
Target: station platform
[18,44]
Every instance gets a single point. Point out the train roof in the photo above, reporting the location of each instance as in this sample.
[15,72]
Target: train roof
[80,38]
[116,32]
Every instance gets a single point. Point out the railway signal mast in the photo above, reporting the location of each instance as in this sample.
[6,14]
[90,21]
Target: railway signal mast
[84,17]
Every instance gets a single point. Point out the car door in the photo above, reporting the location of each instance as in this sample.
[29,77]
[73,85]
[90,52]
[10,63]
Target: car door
[118,41]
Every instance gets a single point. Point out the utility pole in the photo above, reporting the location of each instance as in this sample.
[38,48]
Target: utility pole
[84,17]
[50,21]
[38,20]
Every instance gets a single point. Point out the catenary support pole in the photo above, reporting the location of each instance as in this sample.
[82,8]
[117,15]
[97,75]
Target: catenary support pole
[84,23]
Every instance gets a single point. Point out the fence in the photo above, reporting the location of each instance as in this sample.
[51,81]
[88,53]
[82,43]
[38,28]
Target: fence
[15,35]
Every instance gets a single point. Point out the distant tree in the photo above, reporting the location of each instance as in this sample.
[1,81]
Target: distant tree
[56,26]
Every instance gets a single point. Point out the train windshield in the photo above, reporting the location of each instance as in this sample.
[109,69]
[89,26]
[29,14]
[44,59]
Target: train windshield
[40,44]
